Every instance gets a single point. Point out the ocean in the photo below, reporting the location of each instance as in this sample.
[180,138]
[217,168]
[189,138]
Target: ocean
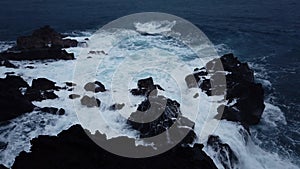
[263,33]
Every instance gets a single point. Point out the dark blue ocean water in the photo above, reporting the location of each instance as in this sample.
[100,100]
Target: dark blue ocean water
[264,33]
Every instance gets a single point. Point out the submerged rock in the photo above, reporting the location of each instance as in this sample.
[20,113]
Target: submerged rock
[74,149]
[116,106]
[74,96]
[53,110]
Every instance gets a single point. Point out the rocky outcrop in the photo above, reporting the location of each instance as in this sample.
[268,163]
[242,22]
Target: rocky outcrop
[44,43]
[74,149]
[7,63]
[41,89]
[245,97]
[12,102]
[157,114]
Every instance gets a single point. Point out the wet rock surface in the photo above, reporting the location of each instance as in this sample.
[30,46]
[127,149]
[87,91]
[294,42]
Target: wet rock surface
[157,114]
[229,76]
[90,101]
[146,87]
[12,102]
[74,149]
[95,87]
[41,89]
[44,43]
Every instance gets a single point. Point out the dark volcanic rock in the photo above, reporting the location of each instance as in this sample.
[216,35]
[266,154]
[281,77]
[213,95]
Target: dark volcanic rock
[157,114]
[95,87]
[6,63]
[43,84]
[12,102]
[146,87]
[38,54]
[74,149]
[74,96]
[224,153]
[3,167]
[44,43]
[39,95]
[117,106]
[53,110]
[45,37]
[245,97]
[41,89]
[90,101]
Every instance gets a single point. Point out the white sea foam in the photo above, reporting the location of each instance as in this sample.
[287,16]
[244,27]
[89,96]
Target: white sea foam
[155,27]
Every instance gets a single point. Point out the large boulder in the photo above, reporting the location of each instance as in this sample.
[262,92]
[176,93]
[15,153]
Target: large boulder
[12,102]
[74,149]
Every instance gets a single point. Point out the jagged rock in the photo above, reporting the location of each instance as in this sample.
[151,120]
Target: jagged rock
[3,167]
[157,114]
[70,84]
[224,153]
[44,37]
[39,95]
[43,84]
[41,89]
[53,110]
[12,102]
[37,54]
[3,145]
[95,87]
[117,106]
[74,96]
[74,149]
[6,63]
[90,101]
[146,87]
[237,84]
[44,43]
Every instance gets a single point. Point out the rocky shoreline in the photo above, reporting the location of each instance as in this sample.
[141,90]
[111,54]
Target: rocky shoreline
[73,148]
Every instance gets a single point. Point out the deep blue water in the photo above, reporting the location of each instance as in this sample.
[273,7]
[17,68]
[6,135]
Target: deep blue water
[264,33]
